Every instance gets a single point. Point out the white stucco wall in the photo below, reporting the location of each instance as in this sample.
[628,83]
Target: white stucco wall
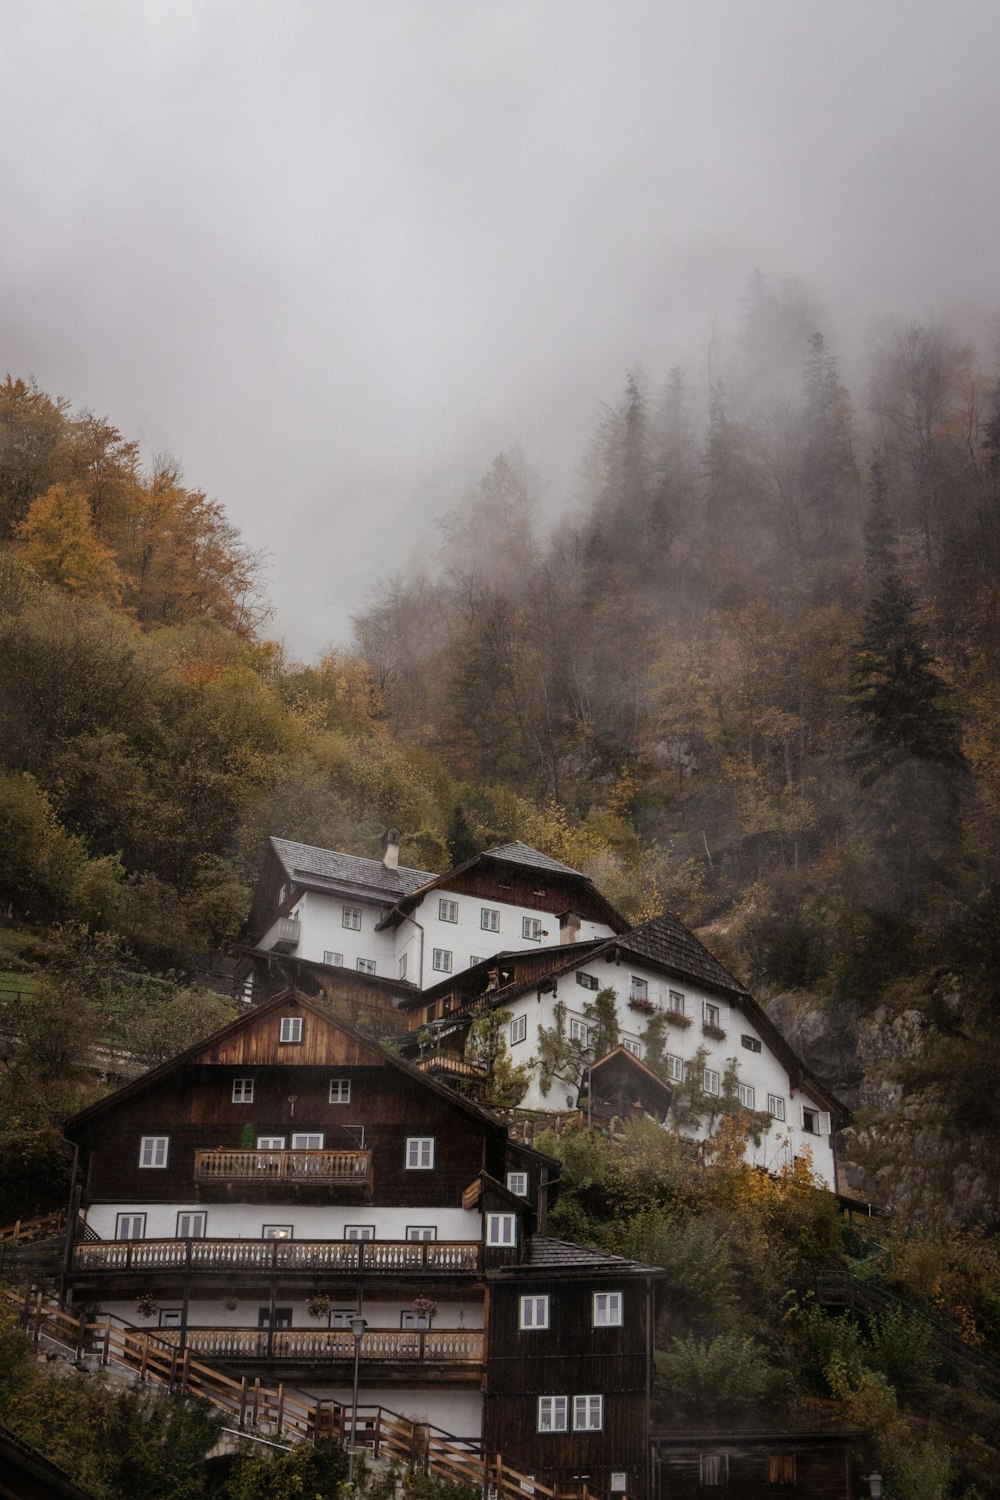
[245,1221]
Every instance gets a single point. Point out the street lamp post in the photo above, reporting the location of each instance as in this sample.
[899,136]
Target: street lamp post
[875,1486]
[358,1326]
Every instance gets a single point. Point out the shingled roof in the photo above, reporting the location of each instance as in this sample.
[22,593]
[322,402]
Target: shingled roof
[562,1255]
[666,941]
[517,853]
[305,863]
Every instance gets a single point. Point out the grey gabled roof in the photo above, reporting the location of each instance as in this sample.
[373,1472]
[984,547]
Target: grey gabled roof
[668,942]
[562,1255]
[304,862]
[517,853]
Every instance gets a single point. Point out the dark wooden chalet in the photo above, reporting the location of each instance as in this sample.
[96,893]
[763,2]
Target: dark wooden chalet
[756,1463]
[620,1087]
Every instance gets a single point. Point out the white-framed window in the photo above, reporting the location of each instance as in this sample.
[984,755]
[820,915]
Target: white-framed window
[711,1015]
[501,1230]
[579,1031]
[335,960]
[607,1309]
[421,1232]
[419,1153]
[638,988]
[713,1469]
[270,1143]
[442,960]
[518,1029]
[366,966]
[619,1481]
[776,1106]
[489,919]
[402,965]
[307,1140]
[242,1090]
[340,1317]
[588,1413]
[359,1231]
[517,1182]
[191,1226]
[352,918]
[170,1317]
[531,928]
[277,1232]
[746,1095]
[815,1121]
[475,958]
[534,1312]
[631,1046]
[447,910]
[153,1150]
[751,1043]
[675,1002]
[553,1413]
[130,1227]
[675,1068]
[588,981]
[340,1091]
[710,1081]
[290,1029]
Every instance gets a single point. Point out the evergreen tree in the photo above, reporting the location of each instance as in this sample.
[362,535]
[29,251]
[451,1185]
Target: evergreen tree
[829,474]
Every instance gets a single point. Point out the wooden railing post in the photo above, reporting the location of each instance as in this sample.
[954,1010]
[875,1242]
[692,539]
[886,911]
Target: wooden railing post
[280,1406]
[243,1403]
[106,1352]
[81,1336]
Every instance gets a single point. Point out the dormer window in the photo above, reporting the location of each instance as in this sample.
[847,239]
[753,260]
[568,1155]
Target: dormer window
[290,1029]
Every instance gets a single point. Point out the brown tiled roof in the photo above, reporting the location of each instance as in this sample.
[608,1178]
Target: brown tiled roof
[667,941]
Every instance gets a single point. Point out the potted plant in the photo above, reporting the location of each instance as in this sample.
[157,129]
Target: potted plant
[318,1305]
[425,1309]
[230,1303]
[146,1305]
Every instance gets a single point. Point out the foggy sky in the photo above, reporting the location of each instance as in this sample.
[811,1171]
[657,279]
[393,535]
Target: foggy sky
[334,256]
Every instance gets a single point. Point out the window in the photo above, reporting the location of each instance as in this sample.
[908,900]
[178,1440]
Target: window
[781,1468]
[619,1481]
[607,1309]
[340,1091]
[711,1015]
[170,1317]
[776,1106]
[501,1229]
[589,981]
[366,966]
[638,989]
[815,1121]
[419,1153]
[750,1043]
[489,919]
[675,1068]
[588,1413]
[352,918]
[553,1413]
[442,960]
[341,1318]
[290,1029]
[713,1469]
[153,1150]
[421,1232]
[531,928]
[242,1090]
[579,1031]
[307,1140]
[359,1231]
[518,1029]
[517,1182]
[710,1081]
[447,911]
[130,1227]
[414,1320]
[746,1095]
[270,1143]
[276,1232]
[534,1312]
[634,1047]
[191,1226]
[335,960]
[474,959]
[280,1318]
[402,966]
[675,1002]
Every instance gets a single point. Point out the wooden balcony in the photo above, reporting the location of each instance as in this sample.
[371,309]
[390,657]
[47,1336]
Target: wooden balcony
[332,1176]
[288,1257]
[379,1346]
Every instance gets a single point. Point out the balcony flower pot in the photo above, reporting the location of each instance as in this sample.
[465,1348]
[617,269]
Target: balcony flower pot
[425,1309]
[319,1306]
[715,1032]
[230,1304]
[645,1007]
[146,1305]
[677,1018]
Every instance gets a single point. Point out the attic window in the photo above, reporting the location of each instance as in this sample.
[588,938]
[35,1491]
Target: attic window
[588,981]
[750,1043]
[153,1150]
[291,1029]
[501,1229]
[517,1182]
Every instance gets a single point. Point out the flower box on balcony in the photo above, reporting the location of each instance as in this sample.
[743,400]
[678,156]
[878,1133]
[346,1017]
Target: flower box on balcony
[677,1018]
[645,1007]
[715,1032]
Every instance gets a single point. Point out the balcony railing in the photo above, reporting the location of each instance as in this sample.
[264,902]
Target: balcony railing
[378,1345]
[282,936]
[391,1257]
[317,1168]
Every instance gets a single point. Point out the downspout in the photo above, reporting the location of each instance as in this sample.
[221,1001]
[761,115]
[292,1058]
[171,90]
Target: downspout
[420,965]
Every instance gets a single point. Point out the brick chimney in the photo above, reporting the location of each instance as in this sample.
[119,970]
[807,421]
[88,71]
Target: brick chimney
[390,848]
